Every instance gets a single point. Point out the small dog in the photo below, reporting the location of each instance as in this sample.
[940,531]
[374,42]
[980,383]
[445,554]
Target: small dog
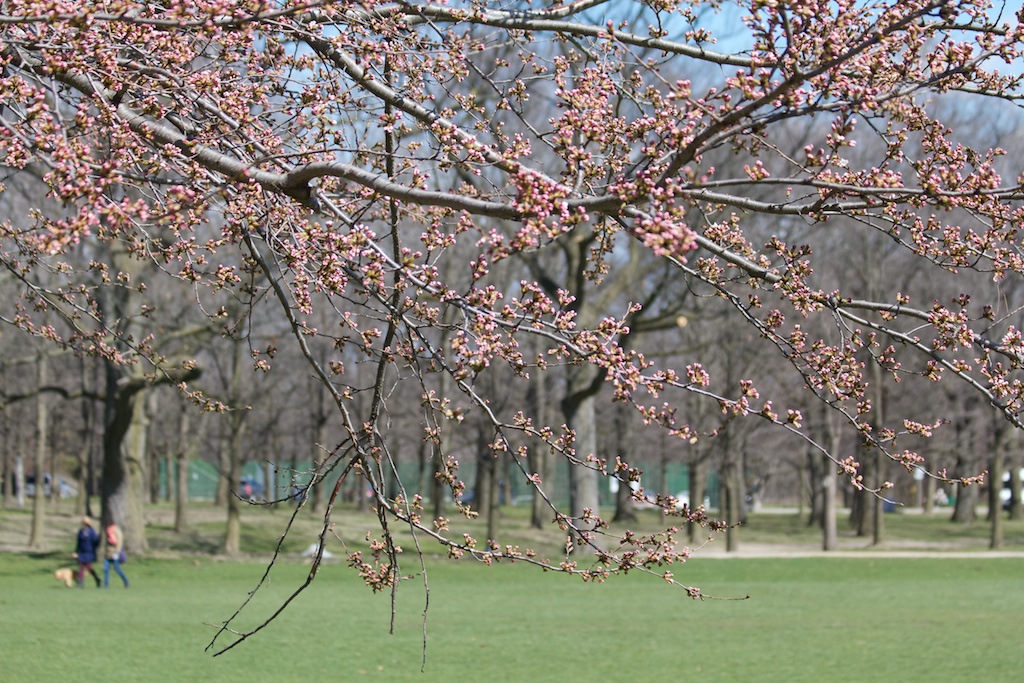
[65,576]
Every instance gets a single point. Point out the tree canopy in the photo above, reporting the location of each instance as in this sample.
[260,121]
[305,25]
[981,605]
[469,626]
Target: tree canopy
[448,196]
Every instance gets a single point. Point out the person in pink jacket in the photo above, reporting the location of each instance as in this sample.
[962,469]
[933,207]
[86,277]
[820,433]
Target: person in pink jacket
[114,553]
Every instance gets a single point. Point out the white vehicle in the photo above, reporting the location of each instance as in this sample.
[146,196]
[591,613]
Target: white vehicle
[1004,493]
[64,489]
[683,500]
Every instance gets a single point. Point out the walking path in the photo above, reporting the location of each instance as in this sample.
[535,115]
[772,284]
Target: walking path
[716,550]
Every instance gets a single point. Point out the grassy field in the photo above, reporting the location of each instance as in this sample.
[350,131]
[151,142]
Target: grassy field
[807,619]
[869,618]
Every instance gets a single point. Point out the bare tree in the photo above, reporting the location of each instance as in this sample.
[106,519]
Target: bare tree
[339,159]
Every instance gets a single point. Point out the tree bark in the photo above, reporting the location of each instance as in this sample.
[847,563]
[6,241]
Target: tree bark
[930,489]
[965,508]
[19,479]
[317,430]
[233,528]
[35,540]
[830,504]
[438,489]
[881,461]
[181,460]
[830,535]
[168,476]
[698,490]
[995,505]
[236,430]
[878,500]
[807,490]
[135,449]
[7,464]
[732,503]
[423,468]
[580,413]
[85,454]
[1000,438]
[1013,464]
[152,456]
[124,436]
[625,510]
[494,504]
[540,460]
[485,474]
[862,509]
[223,492]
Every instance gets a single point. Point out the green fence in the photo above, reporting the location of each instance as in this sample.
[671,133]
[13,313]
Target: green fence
[203,477]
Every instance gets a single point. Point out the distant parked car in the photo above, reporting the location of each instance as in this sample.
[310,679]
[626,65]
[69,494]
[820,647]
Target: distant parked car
[1005,492]
[683,500]
[250,489]
[64,489]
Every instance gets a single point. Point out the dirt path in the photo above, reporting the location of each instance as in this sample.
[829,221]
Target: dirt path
[717,550]
[62,525]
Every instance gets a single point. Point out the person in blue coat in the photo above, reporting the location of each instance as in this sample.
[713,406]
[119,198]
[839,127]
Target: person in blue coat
[85,552]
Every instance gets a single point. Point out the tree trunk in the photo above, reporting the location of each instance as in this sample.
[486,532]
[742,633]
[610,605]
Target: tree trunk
[580,412]
[115,488]
[881,461]
[19,479]
[807,490]
[1000,438]
[223,492]
[584,479]
[236,427]
[878,500]
[624,508]
[392,483]
[698,490]
[965,509]
[1013,464]
[862,509]
[233,530]
[363,484]
[505,480]
[135,447]
[423,469]
[732,503]
[186,442]
[494,504]
[830,532]
[124,440]
[152,471]
[83,475]
[6,453]
[540,460]
[270,487]
[318,428]
[35,540]
[812,477]
[995,505]
[485,474]
[928,503]
[438,490]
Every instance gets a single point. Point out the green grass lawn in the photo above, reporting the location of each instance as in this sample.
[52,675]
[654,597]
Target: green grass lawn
[816,619]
